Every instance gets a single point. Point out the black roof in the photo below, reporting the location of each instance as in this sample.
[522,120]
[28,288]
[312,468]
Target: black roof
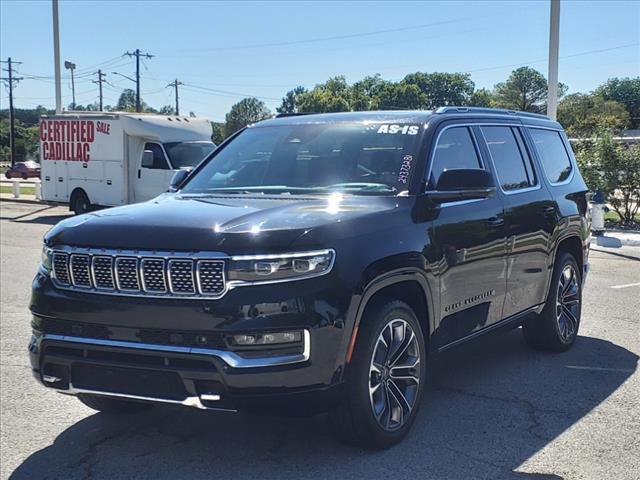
[407,116]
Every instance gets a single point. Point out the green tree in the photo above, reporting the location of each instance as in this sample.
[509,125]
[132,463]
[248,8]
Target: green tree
[400,96]
[167,110]
[441,89]
[217,132]
[245,112]
[127,103]
[481,98]
[334,95]
[583,115]
[526,90]
[625,91]
[614,168]
[290,101]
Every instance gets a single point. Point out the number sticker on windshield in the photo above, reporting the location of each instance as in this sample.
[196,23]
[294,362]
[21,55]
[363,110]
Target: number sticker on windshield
[401,129]
[405,169]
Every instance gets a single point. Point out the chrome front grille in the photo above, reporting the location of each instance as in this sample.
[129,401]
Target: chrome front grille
[80,270]
[181,279]
[61,268]
[127,274]
[139,273]
[211,276]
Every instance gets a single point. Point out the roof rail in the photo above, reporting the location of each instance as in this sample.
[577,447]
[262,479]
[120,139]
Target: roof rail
[490,111]
[296,114]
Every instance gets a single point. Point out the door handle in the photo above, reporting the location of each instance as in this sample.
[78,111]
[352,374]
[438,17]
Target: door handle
[495,222]
[549,211]
[139,171]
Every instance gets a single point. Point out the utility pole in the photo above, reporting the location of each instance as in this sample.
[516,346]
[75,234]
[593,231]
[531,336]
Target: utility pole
[175,84]
[10,79]
[554,41]
[138,54]
[71,66]
[56,56]
[99,82]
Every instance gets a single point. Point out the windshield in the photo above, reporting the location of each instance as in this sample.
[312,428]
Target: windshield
[187,154]
[354,158]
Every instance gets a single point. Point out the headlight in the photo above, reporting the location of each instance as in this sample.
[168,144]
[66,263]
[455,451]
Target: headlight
[46,258]
[285,267]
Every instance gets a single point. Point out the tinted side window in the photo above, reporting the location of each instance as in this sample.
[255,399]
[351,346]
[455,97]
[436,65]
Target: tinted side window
[455,149]
[553,154]
[159,161]
[510,157]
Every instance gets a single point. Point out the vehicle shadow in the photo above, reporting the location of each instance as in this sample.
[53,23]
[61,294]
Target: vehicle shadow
[40,216]
[491,406]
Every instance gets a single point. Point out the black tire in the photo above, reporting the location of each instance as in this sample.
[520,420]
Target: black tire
[354,420]
[112,405]
[550,330]
[80,203]
[24,176]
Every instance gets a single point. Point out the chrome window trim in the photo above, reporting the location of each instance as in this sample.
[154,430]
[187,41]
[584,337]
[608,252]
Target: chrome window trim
[516,191]
[469,126]
[232,359]
[568,151]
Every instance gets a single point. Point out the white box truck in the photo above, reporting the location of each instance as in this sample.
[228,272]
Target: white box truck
[108,159]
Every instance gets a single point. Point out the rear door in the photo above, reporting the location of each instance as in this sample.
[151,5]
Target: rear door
[152,180]
[469,244]
[530,215]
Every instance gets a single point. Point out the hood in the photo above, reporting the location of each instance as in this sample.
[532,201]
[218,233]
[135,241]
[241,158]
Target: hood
[230,224]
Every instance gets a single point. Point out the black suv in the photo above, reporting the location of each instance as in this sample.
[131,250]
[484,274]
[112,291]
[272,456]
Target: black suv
[314,263]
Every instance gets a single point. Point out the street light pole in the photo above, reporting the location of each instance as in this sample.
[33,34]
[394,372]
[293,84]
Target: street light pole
[554,45]
[56,56]
[71,66]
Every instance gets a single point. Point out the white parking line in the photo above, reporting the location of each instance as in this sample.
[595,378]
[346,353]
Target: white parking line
[601,369]
[627,285]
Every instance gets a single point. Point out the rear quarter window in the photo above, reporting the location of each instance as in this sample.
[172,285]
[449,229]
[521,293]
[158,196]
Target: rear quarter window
[553,154]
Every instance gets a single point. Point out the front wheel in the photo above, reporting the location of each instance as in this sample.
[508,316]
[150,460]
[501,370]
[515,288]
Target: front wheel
[556,328]
[385,379]
[80,203]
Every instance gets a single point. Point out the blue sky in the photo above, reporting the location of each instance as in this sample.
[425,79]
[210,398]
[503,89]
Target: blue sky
[224,51]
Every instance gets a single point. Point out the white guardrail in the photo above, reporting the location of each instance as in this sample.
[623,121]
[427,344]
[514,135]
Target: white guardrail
[16,186]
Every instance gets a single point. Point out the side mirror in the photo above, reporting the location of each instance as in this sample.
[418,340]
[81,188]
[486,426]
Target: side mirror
[177,180]
[462,184]
[147,159]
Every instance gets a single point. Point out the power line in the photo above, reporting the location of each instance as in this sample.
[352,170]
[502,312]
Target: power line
[138,54]
[175,84]
[99,82]
[10,79]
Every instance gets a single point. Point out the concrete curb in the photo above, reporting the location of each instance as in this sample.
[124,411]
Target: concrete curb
[616,239]
[32,200]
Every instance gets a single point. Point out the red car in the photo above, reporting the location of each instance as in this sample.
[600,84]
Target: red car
[28,169]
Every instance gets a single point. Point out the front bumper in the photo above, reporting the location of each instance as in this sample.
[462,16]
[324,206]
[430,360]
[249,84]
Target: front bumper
[149,350]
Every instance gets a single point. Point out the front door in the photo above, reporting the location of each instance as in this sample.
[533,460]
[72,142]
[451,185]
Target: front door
[530,216]
[469,244]
[153,178]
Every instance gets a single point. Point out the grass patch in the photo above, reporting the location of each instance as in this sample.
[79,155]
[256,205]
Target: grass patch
[612,216]
[23,190]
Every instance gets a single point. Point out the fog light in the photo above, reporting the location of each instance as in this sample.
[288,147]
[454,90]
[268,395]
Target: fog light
[267,338]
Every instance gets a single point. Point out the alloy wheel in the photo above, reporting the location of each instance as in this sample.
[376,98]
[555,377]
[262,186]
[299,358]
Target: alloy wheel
[394,374]
[568,303]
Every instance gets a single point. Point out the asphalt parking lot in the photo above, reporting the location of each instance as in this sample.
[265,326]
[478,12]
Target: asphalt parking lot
[496,409]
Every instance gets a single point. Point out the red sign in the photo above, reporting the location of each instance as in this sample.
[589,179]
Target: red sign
[66,139]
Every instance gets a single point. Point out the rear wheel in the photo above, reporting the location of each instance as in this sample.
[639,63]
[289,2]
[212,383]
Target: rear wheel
[112,405]
[385,378]
[80,203]
[556,328]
